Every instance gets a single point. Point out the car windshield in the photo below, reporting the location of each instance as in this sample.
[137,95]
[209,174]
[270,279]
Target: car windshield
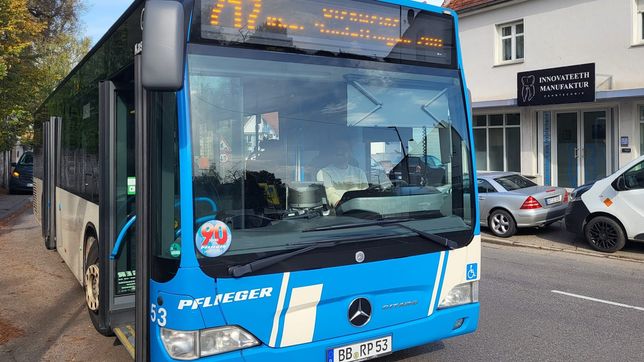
[284,143]
[514,182]
[27,159]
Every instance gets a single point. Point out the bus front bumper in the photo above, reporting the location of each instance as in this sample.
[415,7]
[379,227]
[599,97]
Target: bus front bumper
[440,325]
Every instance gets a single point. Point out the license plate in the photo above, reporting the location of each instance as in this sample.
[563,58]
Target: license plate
[553,200]
[30,185]
[360,351]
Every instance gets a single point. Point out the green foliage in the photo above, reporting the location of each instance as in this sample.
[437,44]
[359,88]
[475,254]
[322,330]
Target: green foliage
[39,46]
[12,126]
[17,29]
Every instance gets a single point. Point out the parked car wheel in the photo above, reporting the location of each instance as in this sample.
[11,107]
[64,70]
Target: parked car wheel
[605,234]
[502,224]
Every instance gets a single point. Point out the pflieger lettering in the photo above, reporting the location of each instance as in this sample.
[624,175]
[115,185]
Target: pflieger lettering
[224,298]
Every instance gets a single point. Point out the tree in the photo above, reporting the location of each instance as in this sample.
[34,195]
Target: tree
[58,16]
[40,45]
[17,31]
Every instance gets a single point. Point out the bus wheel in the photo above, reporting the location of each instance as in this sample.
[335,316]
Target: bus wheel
[605,234]
[92,284]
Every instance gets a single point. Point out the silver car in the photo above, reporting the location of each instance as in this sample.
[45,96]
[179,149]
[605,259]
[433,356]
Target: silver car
[509,201]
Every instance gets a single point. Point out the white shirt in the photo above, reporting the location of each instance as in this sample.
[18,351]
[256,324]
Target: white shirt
[337,181]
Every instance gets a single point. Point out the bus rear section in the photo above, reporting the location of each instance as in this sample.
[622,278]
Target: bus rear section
[84,177]
[322,205]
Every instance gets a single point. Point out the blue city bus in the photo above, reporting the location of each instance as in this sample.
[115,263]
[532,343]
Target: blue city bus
[267,180]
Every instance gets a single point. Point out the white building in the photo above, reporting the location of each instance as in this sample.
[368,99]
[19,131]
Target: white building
[557,138]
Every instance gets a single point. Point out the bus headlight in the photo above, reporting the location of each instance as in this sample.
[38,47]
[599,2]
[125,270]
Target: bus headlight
[461,294]
[189,345]
[181,344]
[225,339]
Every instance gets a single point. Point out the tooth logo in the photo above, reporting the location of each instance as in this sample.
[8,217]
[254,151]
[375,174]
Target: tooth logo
[528,92]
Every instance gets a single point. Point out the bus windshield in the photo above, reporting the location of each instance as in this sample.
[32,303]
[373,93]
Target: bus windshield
[286,143]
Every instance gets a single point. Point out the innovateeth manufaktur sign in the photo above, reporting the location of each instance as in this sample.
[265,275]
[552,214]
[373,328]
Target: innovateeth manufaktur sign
[572,84]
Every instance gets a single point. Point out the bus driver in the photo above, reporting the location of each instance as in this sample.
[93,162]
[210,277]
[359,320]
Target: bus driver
[340,176]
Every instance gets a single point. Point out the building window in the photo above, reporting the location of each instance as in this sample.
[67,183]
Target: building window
[511,42]
[639,21]
[497,141]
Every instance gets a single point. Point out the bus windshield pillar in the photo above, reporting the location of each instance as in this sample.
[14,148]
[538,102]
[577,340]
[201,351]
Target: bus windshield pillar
[143,217]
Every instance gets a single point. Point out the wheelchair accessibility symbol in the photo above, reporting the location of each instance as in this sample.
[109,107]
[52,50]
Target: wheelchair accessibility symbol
[472,271]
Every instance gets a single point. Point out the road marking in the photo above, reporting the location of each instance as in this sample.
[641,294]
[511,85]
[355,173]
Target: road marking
[599,300]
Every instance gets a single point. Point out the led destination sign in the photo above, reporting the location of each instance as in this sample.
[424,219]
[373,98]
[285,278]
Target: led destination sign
[348,27]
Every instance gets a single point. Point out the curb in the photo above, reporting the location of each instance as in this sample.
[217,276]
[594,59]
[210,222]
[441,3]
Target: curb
[491,240]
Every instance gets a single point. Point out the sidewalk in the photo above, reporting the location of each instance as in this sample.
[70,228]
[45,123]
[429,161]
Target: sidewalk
[555,238]
[12,204]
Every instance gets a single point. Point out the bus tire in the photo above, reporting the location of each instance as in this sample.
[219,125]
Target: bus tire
[605,234]
[91,286]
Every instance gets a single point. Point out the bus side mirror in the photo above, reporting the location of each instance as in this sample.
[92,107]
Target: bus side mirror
[14,164]
[164,42]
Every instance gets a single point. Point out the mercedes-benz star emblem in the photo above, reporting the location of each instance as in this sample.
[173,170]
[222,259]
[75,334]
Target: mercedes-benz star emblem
[360,256]
[360,312]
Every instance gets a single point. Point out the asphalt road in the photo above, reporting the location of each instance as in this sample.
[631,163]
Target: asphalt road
[42,315]
[523,320]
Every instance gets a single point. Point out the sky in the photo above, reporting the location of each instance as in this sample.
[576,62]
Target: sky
[99,15]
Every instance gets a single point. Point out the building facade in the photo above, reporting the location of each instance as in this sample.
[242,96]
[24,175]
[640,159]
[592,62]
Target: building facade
[565,126]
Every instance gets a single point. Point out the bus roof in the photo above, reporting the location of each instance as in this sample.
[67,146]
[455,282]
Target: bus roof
[135,4]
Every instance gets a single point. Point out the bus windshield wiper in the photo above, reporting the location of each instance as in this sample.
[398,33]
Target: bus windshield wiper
[238,271]
[442,241]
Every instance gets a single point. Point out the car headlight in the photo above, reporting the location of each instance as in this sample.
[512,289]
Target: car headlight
[188,345]
[461,294]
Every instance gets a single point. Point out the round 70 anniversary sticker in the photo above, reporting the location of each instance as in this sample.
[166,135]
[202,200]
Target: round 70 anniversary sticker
[213,238]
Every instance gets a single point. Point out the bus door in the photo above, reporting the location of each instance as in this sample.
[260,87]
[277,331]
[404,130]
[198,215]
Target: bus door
[51,131]
[118,219]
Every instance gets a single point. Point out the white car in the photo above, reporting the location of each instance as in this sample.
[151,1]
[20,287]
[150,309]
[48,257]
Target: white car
[610,211]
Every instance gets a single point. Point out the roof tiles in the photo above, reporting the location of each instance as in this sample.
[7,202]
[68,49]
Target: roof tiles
[459,5]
